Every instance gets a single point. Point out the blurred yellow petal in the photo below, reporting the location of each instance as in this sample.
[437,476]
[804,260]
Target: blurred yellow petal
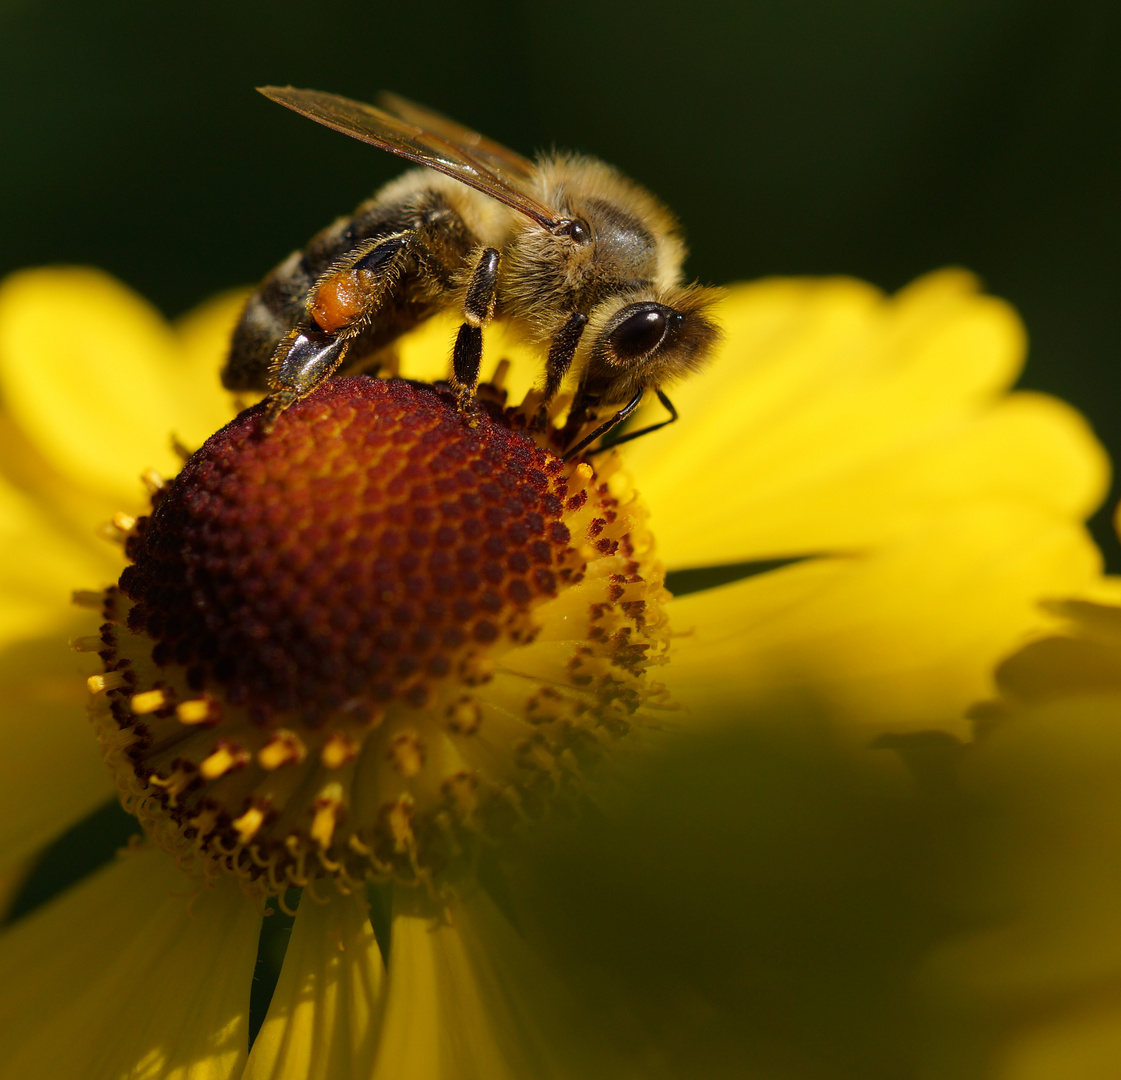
[54,775]
[1038,973]
[1038,978]
[1059,667]
[12,880]
[136,973]
[834,419]
[203,337]
[1082,1042]
[40,565]
[456,1002]
[90,371]
[323,1019]
[903,638]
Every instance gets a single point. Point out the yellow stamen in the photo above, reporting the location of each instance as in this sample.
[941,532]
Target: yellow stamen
[228,756]
[197,711]
[477,668]
[111,680]
[327,805]
[464,716]
[284,747]
[406,752]
[148,702]
[86,643]
[248,824]
[338,750]
[87,598]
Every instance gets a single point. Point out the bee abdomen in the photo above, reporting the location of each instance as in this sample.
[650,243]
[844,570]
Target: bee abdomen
[267,316]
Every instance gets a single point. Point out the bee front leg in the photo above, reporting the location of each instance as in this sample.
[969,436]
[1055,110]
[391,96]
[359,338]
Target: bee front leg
[602,429]
[559,360]
[478,310]
[574,451]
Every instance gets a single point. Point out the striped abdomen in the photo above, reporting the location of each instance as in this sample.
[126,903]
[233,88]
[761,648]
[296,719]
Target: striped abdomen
[281,301]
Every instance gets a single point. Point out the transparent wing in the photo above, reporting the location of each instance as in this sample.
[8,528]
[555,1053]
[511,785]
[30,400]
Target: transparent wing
[479,167]
[503,161]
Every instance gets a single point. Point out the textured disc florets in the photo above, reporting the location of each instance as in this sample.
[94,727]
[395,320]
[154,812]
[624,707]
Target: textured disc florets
[346,646]
[351,557]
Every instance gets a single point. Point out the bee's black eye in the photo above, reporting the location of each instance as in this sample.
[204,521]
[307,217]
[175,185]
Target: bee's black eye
[638,334]
[576,230]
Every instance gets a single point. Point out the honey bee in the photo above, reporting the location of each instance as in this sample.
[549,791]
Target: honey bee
[585,263]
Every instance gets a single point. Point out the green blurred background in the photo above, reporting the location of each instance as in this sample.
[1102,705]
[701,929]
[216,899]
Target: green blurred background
[866,137]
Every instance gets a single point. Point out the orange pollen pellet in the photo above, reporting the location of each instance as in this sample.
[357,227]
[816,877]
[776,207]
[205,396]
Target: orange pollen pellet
[338,301]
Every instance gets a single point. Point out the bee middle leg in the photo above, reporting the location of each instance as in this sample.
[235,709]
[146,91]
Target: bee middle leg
[478,310]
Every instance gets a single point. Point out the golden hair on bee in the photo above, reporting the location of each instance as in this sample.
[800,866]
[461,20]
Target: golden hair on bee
[582,260]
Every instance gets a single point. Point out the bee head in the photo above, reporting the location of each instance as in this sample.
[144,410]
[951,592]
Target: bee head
[638,342]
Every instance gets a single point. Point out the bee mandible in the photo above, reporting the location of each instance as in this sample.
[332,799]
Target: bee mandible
[584,262]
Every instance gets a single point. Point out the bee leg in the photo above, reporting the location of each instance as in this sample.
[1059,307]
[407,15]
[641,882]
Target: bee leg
[305,358]
[478,308]
[559,360]
[313,350]
[575,451]
[666,403]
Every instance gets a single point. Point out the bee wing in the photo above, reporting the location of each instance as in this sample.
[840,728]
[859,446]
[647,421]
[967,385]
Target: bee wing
[502,160]
[477,166]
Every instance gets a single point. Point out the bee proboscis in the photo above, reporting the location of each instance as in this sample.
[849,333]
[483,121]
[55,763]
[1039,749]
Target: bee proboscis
[581,260]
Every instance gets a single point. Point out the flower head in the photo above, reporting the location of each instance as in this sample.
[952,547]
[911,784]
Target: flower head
[368,645]
[344,646]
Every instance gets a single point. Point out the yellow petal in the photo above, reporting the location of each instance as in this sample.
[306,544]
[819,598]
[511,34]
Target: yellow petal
[903,638]
[12,880]
[456,1003]
[833,418]
[203,338]
[129,976]
[1048,886]
[51,774]
[89,371]
[1083,1042]
[1028,447]
[323,1020]
[41,563]
[426,354]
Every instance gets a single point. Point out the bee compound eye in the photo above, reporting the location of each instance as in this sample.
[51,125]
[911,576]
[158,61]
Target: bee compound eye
[576,230]
[638,334]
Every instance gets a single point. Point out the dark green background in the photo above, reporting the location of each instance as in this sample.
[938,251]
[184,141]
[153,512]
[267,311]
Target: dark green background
[881,138]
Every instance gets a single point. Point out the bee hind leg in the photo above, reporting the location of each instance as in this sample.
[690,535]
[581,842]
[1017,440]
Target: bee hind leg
[337,309]
[304,359]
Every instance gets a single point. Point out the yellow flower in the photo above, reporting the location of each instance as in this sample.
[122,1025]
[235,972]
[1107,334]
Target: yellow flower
[914,514]
[1039,977]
